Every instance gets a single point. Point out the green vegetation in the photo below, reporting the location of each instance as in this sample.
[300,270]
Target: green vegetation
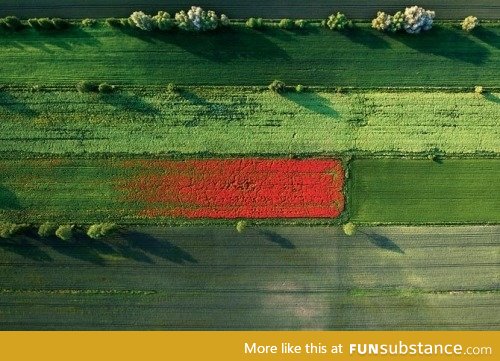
[413,191]
[65,232]
[245,121]
[445,56]
[205,278]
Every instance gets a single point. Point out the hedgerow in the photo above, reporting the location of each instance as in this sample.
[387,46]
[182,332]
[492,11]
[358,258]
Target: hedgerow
[338,21]
[413,20]
[255,23]
[8,229]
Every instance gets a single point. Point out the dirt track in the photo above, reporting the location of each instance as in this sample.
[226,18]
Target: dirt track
[453,9]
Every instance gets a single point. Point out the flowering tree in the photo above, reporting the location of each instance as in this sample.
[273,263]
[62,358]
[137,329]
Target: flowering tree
[386,22]
[163,21]
[417,19]
[337,21]
[470,23]
[142,21]
[197,19]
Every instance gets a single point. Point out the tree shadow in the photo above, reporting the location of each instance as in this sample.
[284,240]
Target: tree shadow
[8,199]
[447,42]
[14,105]
[221,46]
[77,248]
[366,37]
[25,247]
[313,102]
[383,242]
[492,98]
[62,39]
[217,111]
[128,102]
[159,248]
[278,239]
[487,36]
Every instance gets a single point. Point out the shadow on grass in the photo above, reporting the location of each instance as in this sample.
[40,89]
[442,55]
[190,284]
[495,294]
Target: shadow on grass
[14,105]
[8,199]
[278,239]
[366,37]
[447,42]
[219,46]
[159,248]
[47,40]
[492,98]
[221,112]
[383,242]
[487,36]
[25,247]
[128,102]
[313,102]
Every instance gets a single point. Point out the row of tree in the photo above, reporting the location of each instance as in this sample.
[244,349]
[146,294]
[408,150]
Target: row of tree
[62,231]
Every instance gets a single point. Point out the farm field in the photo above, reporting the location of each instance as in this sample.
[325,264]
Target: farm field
[241,56]
[451,191]
[150,191]
[451,9]
[266,278]
[142,190]
[247,121]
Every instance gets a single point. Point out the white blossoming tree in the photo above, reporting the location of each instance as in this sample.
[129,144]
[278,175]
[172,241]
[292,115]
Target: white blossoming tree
[417,19]
[142,21]
[197,19]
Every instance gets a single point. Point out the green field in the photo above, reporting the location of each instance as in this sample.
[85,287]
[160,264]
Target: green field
[451,9]
[418,191]
[267,278]
[231,120]
[363,57]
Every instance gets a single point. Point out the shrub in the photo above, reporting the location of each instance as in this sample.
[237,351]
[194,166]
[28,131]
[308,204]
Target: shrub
[105,88]
[299,88]
[13,23]
[286,24]
[172,88]
[61,24]
[46,23]
[8,229]
[417,19]
[478,89]
[349,229]
[255,23]
[89,22]
[142,21]
[224,20]
[241,226]
[99,230]
[47,229]
[277,86]
[126,22]
[300,24]
[86,86]
[65,232]
[163,21]
[196,19]
[114,22]
[470,23]
[338,22]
